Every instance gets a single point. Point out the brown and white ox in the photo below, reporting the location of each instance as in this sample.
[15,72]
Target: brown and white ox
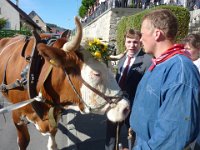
[69,78]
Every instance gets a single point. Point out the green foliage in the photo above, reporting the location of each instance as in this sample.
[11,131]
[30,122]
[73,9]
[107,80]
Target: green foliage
[88,3]
[82,11]
[121,29]
[10,33]
[25,28]
[2,22]
[85,6]
[134,22]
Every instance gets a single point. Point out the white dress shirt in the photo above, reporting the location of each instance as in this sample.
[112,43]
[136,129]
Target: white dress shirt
[131,63]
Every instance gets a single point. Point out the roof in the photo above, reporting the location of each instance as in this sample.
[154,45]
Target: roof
[24,15]
[33,14]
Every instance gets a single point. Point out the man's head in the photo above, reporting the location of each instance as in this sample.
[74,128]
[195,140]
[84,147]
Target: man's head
[132,41]
[158,26]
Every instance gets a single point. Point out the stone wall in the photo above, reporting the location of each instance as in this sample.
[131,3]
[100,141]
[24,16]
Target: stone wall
[105,25]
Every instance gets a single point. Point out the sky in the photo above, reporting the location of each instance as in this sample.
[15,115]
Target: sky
[59,12]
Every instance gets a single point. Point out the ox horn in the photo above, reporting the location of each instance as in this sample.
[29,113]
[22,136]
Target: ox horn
[74,44]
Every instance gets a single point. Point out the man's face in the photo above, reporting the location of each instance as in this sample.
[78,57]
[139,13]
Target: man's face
[147,38]
[132,44]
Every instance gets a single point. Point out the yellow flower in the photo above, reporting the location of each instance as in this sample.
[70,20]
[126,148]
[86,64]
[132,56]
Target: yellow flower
[97,41]
[100,50]
[105,47]
[90,43]
[97,54]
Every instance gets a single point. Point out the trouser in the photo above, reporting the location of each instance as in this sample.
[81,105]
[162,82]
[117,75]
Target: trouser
[111,133]
[197,146]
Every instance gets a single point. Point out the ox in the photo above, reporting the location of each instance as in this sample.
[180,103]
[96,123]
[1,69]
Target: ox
[67,77]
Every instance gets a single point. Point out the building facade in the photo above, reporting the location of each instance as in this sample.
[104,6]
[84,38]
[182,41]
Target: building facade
[10,14]
[38,20]
[16,18]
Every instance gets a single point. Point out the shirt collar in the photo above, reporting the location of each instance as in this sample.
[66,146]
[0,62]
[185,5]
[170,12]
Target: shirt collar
[132,56]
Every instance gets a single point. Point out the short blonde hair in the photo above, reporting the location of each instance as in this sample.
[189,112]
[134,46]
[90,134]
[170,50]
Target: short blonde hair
[164,20]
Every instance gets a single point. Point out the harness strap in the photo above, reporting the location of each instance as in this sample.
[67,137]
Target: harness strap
[80,98]
[117,137]
[17,84]
[107,98]
[27,39]
[4,77]
[52,119]
[16,106]
[48,73]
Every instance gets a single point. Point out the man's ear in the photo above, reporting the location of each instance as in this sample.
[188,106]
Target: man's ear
[158,34]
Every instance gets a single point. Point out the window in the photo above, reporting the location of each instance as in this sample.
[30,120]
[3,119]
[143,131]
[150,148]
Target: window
[8,25]
[37,21]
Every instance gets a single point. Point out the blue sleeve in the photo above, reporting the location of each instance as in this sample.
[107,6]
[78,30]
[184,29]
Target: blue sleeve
[177,122]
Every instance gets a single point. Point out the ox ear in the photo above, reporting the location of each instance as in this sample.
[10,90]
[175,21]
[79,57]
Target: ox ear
[53,55]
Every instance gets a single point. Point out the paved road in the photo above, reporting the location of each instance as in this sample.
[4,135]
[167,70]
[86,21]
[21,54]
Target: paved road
[76,132]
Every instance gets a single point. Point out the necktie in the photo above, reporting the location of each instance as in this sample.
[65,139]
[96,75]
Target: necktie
[125,72]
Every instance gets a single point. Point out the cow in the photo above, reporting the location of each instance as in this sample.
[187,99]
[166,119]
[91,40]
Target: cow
[67,76]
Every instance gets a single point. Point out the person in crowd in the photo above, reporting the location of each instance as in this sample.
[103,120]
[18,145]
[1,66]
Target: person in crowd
[102,5]
[136,3]
[190,4]
[131,68]
[166,110]
[145,4]
[125,3]
[115,3]
[130,3]
[157,2]
[198,4]
[171,2]
[192,44]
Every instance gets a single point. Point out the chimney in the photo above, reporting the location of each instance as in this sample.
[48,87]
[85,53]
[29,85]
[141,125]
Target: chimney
[17,3]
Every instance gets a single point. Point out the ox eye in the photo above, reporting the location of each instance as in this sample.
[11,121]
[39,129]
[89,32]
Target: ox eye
[95,74]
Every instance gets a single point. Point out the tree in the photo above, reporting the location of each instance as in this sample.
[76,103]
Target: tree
[82,11]
[88,3]
[2,22]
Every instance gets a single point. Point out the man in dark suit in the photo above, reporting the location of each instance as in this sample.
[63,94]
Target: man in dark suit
[131,68]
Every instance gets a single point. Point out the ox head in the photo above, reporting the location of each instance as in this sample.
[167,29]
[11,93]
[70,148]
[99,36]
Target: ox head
[98,89]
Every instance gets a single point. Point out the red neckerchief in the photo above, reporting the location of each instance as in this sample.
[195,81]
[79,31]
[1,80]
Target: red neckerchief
[175,49]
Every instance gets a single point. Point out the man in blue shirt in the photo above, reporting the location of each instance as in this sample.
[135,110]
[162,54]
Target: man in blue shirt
[166,109]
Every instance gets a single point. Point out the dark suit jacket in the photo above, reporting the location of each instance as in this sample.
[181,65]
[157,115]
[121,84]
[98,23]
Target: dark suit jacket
[138,68]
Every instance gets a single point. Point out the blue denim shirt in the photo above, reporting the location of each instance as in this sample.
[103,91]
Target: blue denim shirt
[166,110]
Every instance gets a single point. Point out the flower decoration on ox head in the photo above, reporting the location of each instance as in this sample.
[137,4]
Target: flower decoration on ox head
[100,50]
